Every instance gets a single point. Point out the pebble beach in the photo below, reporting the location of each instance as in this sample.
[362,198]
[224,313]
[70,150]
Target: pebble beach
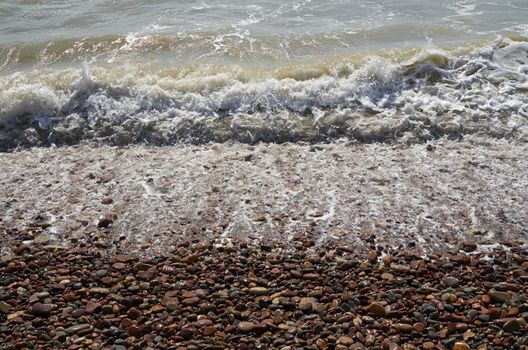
[179,248]
[265,296]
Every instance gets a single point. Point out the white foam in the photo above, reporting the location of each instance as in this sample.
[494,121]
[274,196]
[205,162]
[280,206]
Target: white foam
[430,95]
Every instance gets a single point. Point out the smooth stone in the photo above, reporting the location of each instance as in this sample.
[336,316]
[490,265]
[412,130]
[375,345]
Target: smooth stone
[514,325]
[42,239]
[344,340]
[311,276]
[501,297]
[399,267]
[5,307]
[99,290]
[101,273]
[403,327]
[377,309]
[258,291]
[246,327]
[203,323]
[387,276]
[78,328]
[208,331]
[105,222]
[372,256]
[450,281]
[461,346]
[78,313]
[135,331]
[107,309]
[187,333]
[41,310]
[191,301]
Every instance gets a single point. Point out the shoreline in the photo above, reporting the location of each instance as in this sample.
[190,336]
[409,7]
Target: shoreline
[423,198]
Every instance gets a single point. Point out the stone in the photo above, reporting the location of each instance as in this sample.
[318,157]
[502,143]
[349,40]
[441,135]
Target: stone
[377,309]
[258,291]
[41,239]
[191,301]
[469,246]
[246,327]
[134,313]
[191,259]
[135,331]
[186,333]
[306,307]
[203,323]
[41,310]
[78,328]
[101,273]
[344,340]
[105,222]
[78,312]
[99,290]
[5,307]
[208,331]
[450,281]
[403,327]
[321,343]
[501,297]
[387,276]
[514,325]
[142,266]
[428,345]
[91,307]
[147,275]
[400,268]
[419,327]
[461,346]
[372,256]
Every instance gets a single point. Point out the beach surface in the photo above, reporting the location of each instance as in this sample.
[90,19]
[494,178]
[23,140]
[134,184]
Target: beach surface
[424,197]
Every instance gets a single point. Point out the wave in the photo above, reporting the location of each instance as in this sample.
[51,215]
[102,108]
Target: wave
[229,44]
[415,96]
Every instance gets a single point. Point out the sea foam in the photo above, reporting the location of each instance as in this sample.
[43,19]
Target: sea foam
[430,94]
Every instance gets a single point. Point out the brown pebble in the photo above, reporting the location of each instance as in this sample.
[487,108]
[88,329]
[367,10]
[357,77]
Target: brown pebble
[208,331]
[258,291]
[105,222]
[246,327]
[500,297]
[91,307]
[310,276]
[41,310]
[134,313]
[186,333]
[403,327]
[107,200]
[377,309]
[428,345]
[344,340]
[419,327]
[135,331]
[461,346]
[191,301]
[372,256]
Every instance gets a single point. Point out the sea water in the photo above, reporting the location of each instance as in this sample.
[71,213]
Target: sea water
[169,72]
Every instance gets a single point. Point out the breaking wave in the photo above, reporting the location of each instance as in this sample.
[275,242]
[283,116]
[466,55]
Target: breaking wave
[419,96]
